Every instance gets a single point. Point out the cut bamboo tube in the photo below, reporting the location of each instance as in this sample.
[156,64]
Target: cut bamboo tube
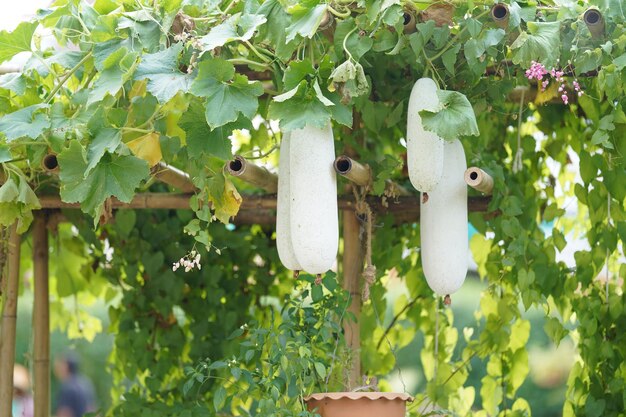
[595,22]
[500,15]
[361,175]
[258,176]
[9,315]
[479,180]
[173,176]
[41,317]
[50,163]
[354,171]
[409,23]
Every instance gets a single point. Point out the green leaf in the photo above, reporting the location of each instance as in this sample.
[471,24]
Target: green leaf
[555,330]
[300,109]
[114,176]
[454,118]
[306,22]
[540,43]
[14,82]
[320,369]
[164,78]
[105,140]
[237,27]
[28,122]
[620,62]
[274,32]
[110,82]
[228,94]
[5,153]
[12,43]
[220,398]
[317,293]
[201,140]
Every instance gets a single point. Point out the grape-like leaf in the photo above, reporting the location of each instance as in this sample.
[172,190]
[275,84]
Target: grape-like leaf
[455,117]
[12,43]
[306,22]
[228,94]
[114,175]
[237,27]
[27,122]
[201,140]
[164,77]
[14,82]
[147,147]
[540,43]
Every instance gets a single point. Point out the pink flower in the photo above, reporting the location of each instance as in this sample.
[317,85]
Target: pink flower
[536,71]
[565,99]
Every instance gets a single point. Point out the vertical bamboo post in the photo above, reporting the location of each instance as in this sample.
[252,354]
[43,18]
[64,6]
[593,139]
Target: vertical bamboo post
[352,268]
[41,317]
[7,338]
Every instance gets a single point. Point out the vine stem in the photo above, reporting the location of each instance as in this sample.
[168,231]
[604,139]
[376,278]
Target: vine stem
[395,319]
[456,37]
[337,13]
[345,41]
[67,76]
[257,53]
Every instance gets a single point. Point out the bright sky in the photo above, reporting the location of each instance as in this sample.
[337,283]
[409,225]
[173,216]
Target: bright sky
[16,11]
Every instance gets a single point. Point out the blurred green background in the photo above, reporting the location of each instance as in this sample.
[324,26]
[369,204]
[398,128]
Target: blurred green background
[544,389]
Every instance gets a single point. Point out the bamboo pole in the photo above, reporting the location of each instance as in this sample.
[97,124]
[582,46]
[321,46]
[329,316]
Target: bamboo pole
[247,171]
[41,317]
[479,180]
[352,269]
[11,274]
[173,176]
[408,206]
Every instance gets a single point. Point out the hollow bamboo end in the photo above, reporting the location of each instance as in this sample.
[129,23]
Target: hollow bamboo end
[410,22]
[343,165]
[594,21]
[50,163]
[353,170]
[500,15]
[479,180]
[237,166]
[246,171]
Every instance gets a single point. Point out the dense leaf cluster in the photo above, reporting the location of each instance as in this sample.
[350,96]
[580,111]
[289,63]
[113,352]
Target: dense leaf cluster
[185,81]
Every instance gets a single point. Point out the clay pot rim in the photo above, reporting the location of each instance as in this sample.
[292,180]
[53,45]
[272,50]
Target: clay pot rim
[359,395]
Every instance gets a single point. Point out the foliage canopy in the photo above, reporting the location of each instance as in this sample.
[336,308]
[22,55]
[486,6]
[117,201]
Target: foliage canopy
[186,80]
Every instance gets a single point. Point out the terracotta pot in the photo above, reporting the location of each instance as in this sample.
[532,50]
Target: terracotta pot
[358,404]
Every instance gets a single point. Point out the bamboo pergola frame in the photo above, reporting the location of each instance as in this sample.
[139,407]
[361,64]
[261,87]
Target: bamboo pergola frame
[255,209]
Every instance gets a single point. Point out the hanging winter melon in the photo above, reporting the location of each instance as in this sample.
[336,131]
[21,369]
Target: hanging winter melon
[443,225]
[313,189]
[424,148]
[283,222]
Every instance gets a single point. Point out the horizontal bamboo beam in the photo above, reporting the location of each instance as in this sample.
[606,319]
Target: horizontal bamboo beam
[407,205]
[253,174]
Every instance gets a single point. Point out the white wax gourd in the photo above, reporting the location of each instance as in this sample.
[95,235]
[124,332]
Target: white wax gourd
[313,188]
[443,225]
[424,149]
[283,222]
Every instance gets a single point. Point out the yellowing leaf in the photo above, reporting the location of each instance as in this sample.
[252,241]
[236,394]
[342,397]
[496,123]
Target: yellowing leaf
[547,94]
[147,147]
[228,205]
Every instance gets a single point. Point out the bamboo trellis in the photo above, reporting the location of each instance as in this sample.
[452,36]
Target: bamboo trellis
[255,209]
